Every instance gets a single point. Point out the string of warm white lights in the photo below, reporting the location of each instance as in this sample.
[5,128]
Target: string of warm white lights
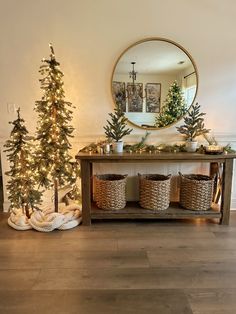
[53,130]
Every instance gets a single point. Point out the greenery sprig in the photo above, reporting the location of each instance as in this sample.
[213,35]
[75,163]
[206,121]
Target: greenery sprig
[139,146]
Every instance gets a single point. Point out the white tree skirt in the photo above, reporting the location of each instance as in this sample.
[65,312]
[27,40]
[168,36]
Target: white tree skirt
[18,220]
[46,220]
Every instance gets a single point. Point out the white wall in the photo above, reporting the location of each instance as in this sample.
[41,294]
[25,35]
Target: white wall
[88,37]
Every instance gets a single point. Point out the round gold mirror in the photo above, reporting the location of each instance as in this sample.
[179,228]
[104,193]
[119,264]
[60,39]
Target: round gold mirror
[155,81]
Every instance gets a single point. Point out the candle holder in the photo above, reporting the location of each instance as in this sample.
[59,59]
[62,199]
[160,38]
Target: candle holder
[214,149]
[107,148]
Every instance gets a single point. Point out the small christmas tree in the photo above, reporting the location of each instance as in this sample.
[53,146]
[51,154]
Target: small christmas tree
[194,124]
[21,186]
[174,108]
[53,130]
[117,128]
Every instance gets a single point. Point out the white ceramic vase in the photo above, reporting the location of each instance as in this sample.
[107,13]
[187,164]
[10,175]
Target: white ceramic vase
[191,146]
[118,147]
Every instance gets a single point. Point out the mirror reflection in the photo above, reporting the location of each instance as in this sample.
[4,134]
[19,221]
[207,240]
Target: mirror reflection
[155,82]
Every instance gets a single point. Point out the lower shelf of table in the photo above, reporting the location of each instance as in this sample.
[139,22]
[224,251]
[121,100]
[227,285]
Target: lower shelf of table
[134,211]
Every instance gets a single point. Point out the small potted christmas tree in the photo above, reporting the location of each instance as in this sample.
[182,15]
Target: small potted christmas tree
[193,127]
[116,129]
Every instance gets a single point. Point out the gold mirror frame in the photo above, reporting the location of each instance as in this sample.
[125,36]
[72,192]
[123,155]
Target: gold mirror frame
[176,45]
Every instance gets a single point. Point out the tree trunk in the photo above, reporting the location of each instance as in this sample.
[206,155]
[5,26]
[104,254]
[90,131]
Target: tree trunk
[27,211]
[56,195]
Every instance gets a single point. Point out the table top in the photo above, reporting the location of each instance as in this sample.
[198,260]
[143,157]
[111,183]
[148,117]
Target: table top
[96,157]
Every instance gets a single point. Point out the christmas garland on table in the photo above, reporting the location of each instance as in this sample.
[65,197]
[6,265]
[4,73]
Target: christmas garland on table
[154,148]
[136,148]
[93,147]
[141,147]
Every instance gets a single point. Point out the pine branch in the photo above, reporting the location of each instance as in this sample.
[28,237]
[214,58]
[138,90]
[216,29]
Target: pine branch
[210,139]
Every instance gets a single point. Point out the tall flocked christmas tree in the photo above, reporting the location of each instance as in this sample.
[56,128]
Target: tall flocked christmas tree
[22,182]
[55,168]
[174,108]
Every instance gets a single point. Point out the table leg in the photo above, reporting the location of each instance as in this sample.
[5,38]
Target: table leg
[86,191]
[226,191]
[214,169]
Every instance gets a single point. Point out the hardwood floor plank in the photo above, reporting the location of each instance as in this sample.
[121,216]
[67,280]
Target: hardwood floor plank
[189,257]
[212,301]
[175,242]
[52,244]
[23,279]
[138,278]
[75,260]
[96,301]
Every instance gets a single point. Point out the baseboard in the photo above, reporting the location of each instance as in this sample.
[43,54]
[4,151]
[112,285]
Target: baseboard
[6,206]
[233,204]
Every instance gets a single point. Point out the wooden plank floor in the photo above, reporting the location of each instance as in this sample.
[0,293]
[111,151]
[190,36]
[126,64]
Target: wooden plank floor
[164,267]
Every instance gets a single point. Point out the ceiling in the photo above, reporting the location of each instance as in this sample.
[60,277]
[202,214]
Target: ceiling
[152,57]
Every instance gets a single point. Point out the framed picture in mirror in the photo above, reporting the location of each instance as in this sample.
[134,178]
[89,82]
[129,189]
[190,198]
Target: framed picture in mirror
[135,97]
[118,91]
[153,97]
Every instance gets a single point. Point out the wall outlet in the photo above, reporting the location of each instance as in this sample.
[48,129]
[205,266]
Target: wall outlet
[11,108]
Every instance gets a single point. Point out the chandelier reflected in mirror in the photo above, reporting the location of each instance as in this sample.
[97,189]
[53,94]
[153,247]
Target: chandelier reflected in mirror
[134,91]
[133,73]
[133,96]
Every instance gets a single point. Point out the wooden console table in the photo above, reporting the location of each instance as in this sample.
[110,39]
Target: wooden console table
[133,210]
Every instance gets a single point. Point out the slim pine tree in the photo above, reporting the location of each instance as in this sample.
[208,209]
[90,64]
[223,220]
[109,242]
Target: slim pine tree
[21,185]
[53,130]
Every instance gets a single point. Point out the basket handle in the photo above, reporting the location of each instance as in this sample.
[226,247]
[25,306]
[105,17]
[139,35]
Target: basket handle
[212,177]
[168,176]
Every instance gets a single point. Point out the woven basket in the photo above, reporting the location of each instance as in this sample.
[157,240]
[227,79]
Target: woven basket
[154,191]
[110,191]
[196,191]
